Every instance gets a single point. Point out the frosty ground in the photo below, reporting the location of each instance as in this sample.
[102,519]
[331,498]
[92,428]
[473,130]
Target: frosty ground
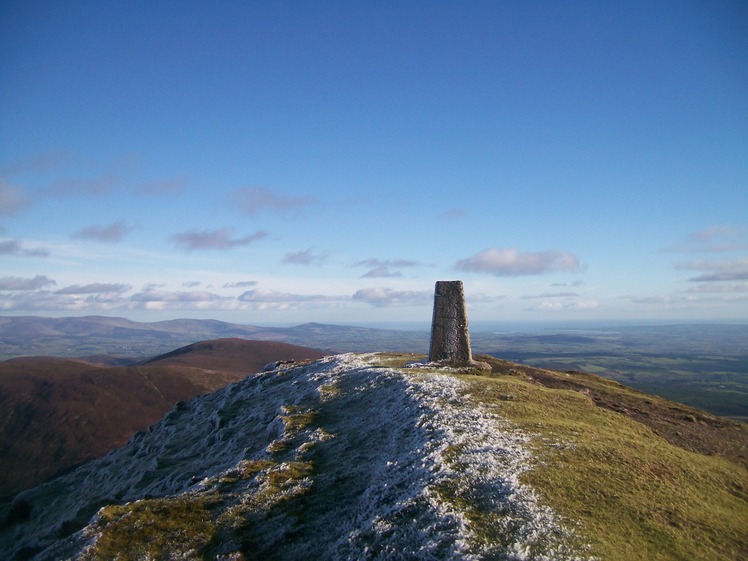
[342,458]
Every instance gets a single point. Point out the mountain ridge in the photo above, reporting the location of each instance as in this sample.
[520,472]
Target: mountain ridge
[370,456]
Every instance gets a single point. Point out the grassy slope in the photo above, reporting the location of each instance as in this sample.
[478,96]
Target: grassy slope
[679,494]
[644,478]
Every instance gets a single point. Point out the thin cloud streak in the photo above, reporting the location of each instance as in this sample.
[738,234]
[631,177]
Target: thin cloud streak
[386,263]
[17,248]
[95,288]
[715,239]
[717,271]
[112,233]
[166,296]
[267,300]
[380,273]
[306,257]
[240,284]
[387,297]
[266,295]
[564,306]
[510,262]
[253,200]
[214,239]
[23,284]
[380,268]
[719,288]
[551,295]
[95,186]
[12,199]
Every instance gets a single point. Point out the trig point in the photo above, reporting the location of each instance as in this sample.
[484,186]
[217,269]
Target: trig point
[450,340]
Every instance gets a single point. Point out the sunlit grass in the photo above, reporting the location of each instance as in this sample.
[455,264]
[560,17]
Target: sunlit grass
[635,495]
[153,529]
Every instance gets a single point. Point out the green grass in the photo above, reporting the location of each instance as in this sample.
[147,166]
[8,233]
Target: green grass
[296,419]
[636,495]
[153,529]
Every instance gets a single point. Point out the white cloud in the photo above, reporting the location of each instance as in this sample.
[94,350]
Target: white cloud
[15,247]
[386,297]
[265,299]
[99,185]
[95,288]
[108,234]
[20,284]
[707,300]
[512,262]
[714,239]
[381,272]
[716,271]
[386,263]
[266,295]
[240,284]
[252,200]
[43,301]
[562,284]
[306,257]
[580,305]
[103,297]
[719,287]
[12,199]
[653,299]
[214,239]
[380,268]
[177,296]
[691,299]
[551,295]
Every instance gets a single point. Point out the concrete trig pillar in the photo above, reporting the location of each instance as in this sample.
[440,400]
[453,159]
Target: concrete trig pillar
[450,339]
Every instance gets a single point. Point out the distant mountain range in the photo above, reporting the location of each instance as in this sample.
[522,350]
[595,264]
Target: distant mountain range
[380,456]
[57,412]
[100,335]
[705,366]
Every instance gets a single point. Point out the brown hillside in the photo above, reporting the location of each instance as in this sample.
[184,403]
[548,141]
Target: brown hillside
[56,413]
[232,355]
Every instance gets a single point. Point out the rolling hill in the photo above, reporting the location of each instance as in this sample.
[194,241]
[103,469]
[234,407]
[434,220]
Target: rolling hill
[56,413]
[382,456]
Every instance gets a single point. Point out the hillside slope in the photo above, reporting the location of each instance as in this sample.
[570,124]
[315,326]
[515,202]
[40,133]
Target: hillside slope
[56,413]
[359,456]
[237,356]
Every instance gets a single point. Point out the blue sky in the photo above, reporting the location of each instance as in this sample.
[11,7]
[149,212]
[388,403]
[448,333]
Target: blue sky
[277,163]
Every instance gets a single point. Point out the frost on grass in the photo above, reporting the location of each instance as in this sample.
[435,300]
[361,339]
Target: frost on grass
[338,459]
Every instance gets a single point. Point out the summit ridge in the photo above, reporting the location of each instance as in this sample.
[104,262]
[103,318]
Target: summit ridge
[389,456]
[349,458]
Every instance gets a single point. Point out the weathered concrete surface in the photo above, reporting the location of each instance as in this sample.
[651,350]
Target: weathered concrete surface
[450,339]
